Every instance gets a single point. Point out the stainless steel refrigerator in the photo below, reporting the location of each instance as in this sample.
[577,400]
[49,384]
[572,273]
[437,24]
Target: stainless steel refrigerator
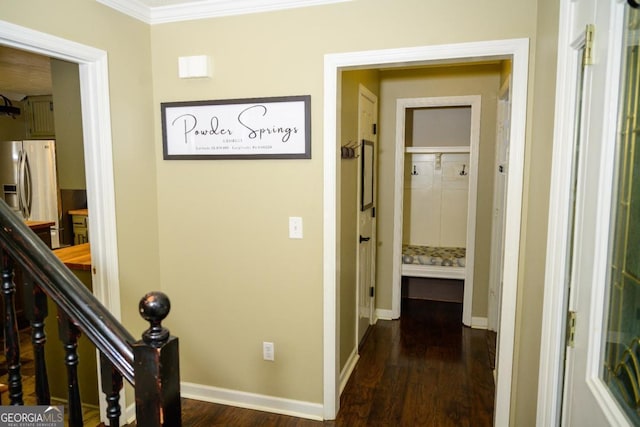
[29,181]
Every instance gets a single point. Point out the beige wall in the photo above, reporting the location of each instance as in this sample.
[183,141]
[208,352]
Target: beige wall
[68,124]
[480,80]
[535,214]
[213,234]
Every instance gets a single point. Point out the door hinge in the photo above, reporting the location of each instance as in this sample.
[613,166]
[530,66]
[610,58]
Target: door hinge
[375,129]
[571,328]
[373,212]
[587,55]
[372,292]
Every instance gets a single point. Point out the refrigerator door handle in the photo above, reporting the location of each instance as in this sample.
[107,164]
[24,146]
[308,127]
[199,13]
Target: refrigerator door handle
[28,186]
[24,185]
[21,194]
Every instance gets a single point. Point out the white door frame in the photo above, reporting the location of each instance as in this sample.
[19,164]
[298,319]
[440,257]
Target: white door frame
[403,104]
[96,123]
[518,51]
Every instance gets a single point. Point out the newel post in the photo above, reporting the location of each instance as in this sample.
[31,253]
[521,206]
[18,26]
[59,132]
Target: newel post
[156,367]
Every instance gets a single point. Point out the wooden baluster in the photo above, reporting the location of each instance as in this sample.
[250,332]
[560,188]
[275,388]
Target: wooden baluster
[11,336]
[35,308]
[69,334]
[111,386]
[156,367]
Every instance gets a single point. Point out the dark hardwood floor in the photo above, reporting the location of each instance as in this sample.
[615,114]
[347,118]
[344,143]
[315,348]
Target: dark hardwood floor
[425,369]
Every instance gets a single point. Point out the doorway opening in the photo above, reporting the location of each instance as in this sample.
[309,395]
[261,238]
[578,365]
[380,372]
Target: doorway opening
[516,51]
[96,123]
[436,180]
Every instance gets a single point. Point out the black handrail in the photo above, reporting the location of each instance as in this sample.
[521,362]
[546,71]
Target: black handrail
[67,291]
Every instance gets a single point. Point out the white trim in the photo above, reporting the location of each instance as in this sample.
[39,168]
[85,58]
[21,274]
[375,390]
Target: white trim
[475,102]
[431,271]
[145,12]
[259,402]
[382,314]
[129,414]
[430,150]
[96,123]
[518,50]
[554,303]
[348,369]
[479,322]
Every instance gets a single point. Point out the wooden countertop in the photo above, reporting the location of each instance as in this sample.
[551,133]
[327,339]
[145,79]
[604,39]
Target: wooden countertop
[84,212]
[76,257]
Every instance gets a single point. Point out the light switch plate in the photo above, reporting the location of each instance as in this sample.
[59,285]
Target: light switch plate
[295,227]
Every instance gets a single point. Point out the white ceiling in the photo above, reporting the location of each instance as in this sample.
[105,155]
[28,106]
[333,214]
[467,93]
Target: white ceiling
[163,11]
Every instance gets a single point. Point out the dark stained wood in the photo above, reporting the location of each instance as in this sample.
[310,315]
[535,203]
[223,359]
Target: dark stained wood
[69,334]
[89,413]
[12,340]
[36,312]
[67,291]
[111,386]
[157,367]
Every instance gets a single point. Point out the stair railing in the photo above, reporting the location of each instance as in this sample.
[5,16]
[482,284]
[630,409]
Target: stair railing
[151,364]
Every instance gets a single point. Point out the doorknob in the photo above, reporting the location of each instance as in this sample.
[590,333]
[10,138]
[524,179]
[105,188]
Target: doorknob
[364,239]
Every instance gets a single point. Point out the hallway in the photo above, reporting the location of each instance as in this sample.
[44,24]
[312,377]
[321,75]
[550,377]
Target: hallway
[423,370]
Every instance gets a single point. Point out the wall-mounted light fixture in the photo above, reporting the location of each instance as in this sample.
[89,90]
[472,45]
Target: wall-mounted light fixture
[194,67]
[7,109]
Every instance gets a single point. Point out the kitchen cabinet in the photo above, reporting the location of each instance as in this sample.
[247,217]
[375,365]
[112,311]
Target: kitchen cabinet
[80,222]
[39,117]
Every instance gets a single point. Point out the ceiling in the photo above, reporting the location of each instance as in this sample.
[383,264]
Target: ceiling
[27,74]
[163,11]
[23,74]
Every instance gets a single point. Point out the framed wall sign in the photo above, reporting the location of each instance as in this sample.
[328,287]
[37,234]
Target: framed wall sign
[252,128]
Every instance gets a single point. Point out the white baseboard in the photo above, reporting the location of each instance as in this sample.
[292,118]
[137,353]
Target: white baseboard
[260,402]
[479,322]
[348,369]
[129,414]
[383,314]
[278,405]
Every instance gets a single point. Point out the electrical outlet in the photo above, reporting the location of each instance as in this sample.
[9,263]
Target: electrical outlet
[268,351]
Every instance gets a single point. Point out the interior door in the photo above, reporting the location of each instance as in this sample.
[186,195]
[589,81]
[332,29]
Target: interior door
[602,369]
[367,113]
[499,206]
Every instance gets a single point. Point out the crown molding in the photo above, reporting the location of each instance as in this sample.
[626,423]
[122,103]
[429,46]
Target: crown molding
[187,11]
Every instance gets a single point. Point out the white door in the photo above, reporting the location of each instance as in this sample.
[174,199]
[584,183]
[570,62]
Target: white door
[367,113]
[603,240]
[499,205]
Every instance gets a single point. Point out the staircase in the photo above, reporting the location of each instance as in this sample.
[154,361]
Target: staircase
[150,365]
